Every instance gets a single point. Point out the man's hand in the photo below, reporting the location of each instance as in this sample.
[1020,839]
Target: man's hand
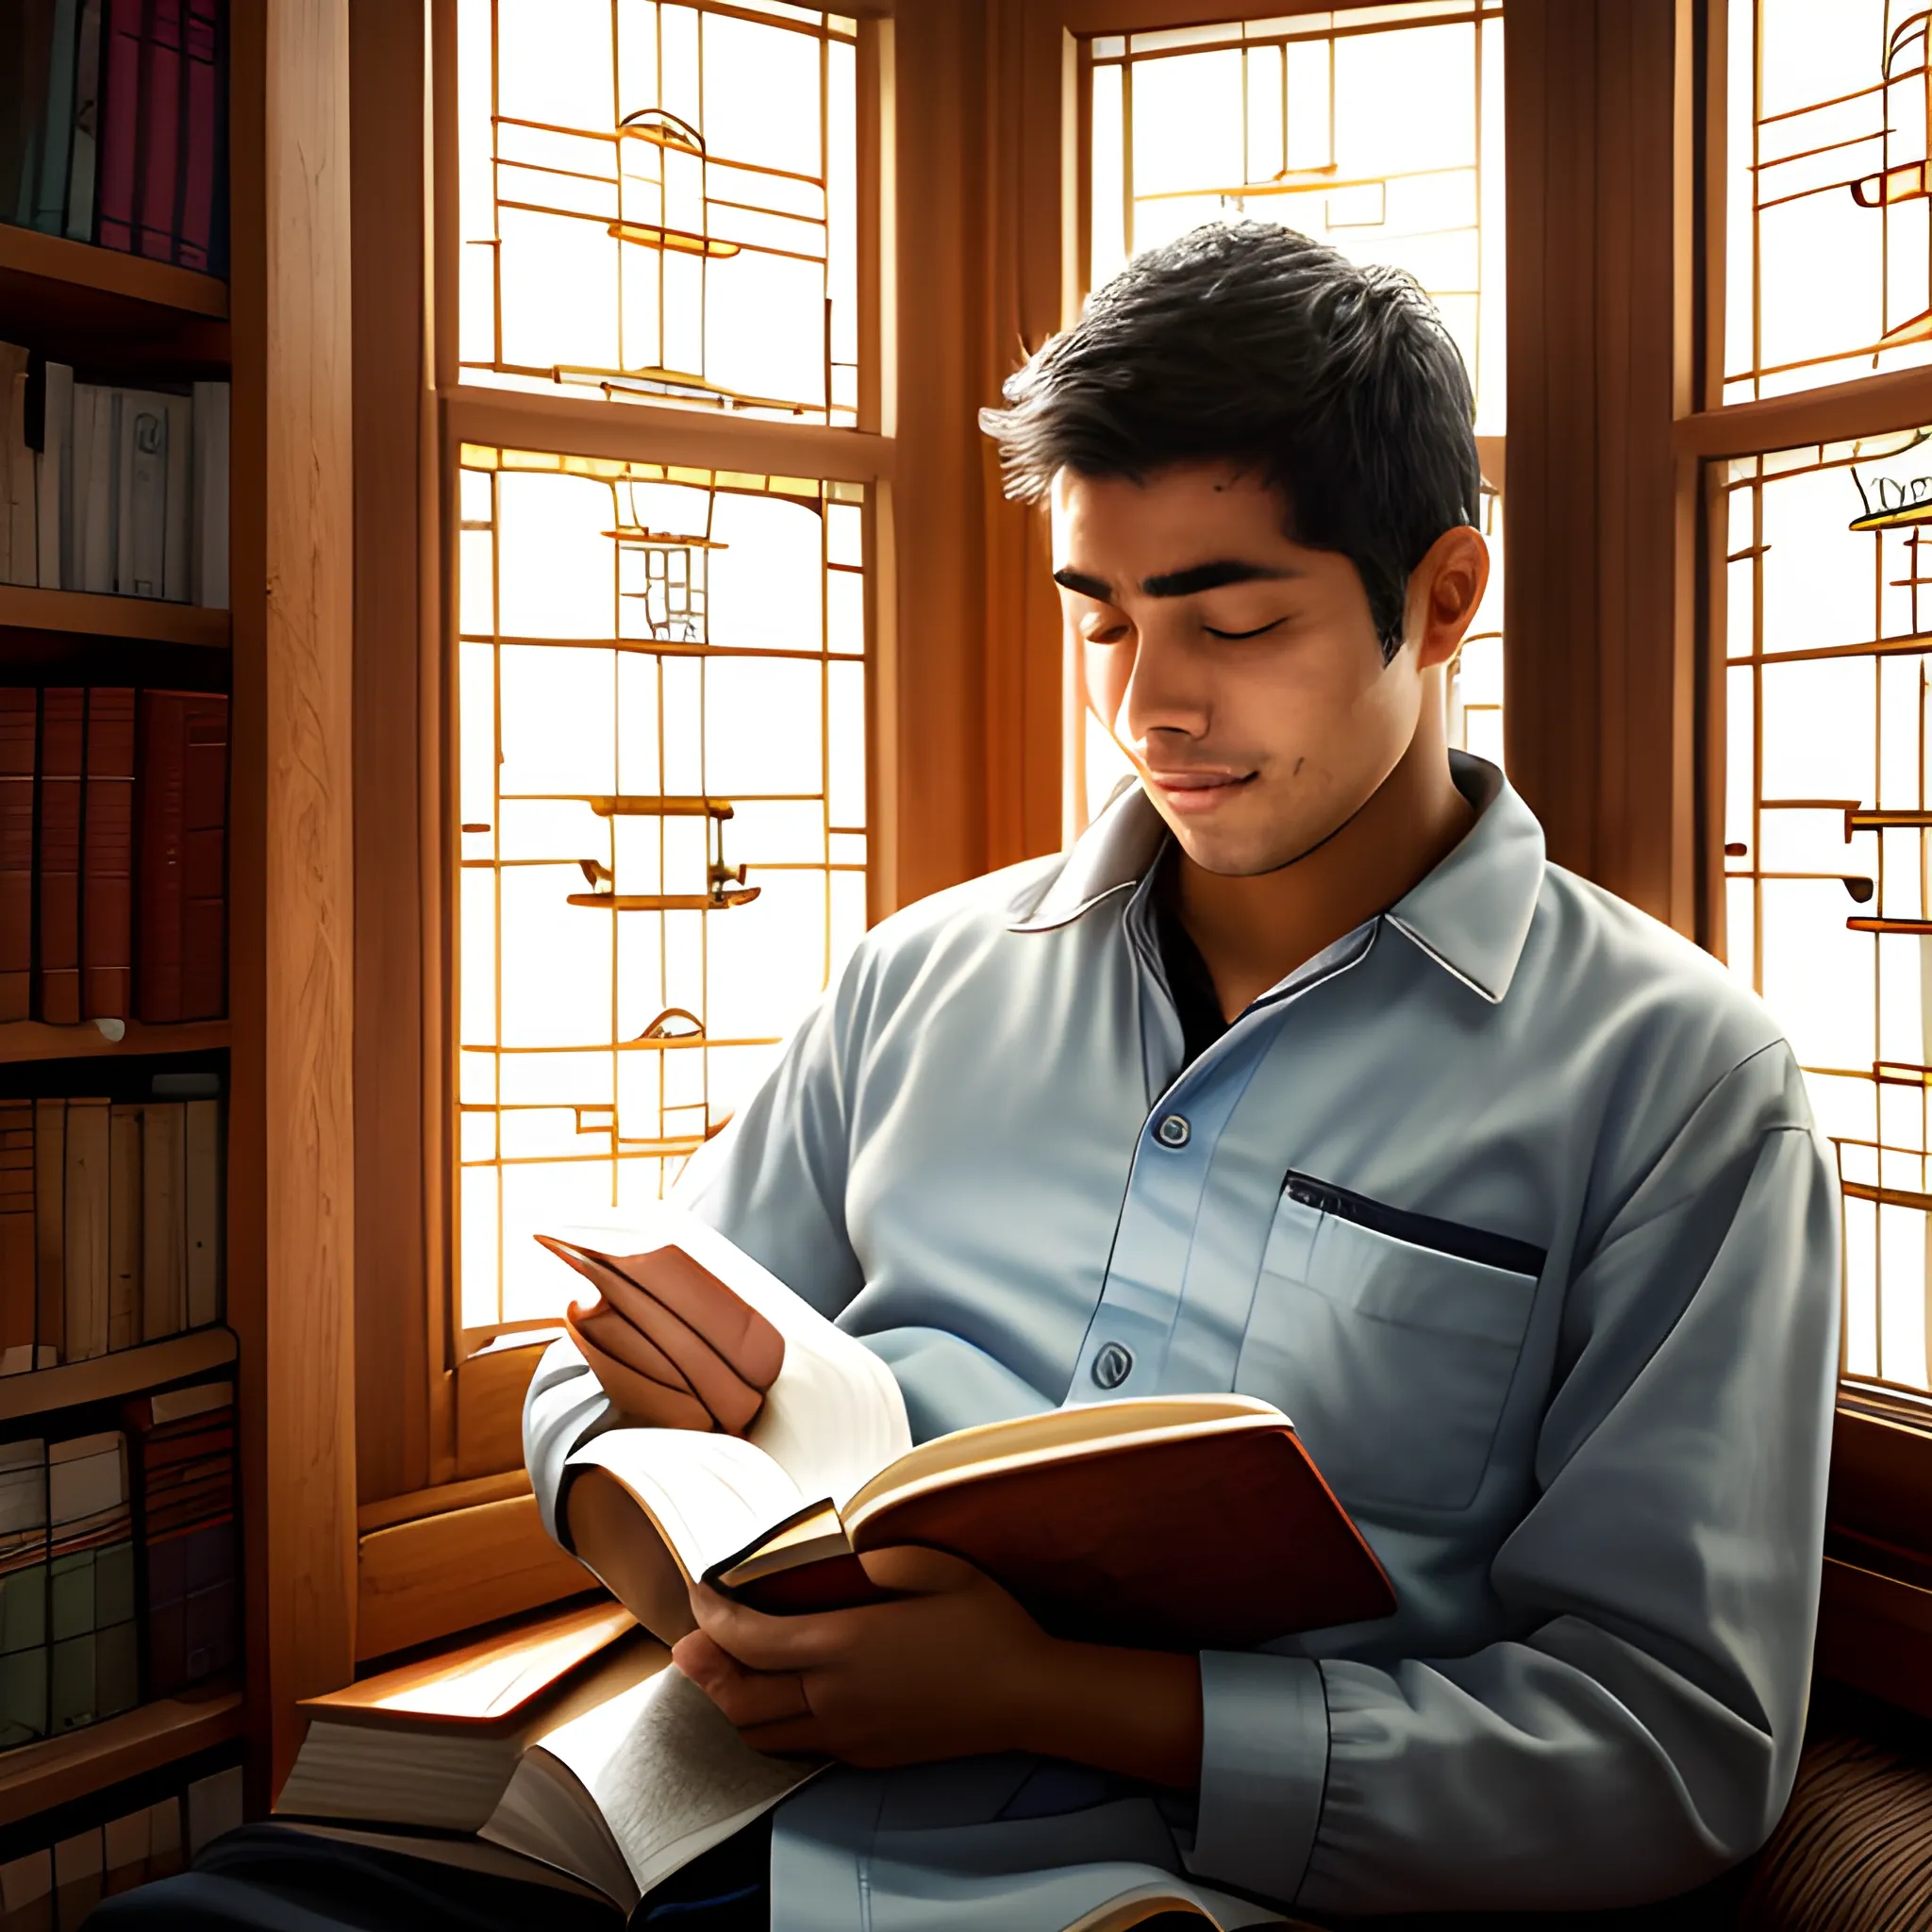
[672,1345]
[954,1669]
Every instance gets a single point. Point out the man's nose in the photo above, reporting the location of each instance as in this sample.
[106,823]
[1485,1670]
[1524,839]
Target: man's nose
[1169,690]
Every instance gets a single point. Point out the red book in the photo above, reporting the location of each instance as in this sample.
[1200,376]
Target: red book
[184,796]
[202,51]
[120,122]
[106,885]
[161,131]
[19,722]
[56,971]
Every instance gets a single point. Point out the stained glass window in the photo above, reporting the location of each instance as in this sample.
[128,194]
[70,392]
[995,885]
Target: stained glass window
[1830,269]
[1377,130]
[660,200]
[1828,913]
[661,702]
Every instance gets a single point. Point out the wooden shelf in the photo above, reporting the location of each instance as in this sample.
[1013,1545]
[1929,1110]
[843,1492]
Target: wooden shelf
[36,1777]
[108,272]
[104,1377]
[88,614]
[32,1039]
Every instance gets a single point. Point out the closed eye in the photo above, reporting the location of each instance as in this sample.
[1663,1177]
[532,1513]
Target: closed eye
[1234,635]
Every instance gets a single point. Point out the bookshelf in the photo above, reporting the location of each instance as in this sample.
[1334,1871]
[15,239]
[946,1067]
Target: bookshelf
[107,1377]
[83,613]
[68,272]
[32,1039]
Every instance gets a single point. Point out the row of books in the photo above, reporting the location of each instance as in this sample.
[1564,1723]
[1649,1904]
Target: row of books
[110,489]
[113,854]
[109,1225]
[118,1570]
[111,124]
[55,1887]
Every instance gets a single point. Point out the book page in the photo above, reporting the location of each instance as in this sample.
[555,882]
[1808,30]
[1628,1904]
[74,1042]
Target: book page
[835,1416]
[661,1765]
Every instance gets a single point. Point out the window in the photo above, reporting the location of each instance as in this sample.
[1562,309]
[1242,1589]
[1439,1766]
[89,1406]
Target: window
[661,667]
[1377,130]
[1827,615]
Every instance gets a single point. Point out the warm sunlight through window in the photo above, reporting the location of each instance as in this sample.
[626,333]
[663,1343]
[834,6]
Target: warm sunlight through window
[662,725]
[1377,130]
[1828,913]
[660,200]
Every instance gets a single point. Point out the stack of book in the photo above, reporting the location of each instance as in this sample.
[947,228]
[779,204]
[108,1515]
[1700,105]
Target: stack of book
[113,489]
[118,1241]
[111,124]
[183,1450]
[68,1652]
[113,854]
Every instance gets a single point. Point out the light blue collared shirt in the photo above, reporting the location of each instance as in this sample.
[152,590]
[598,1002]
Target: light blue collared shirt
[1510,1198]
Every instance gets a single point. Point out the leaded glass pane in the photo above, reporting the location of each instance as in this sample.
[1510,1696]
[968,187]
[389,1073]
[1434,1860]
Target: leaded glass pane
[1828,697]
[662,778]
[659,201]
[1830,253]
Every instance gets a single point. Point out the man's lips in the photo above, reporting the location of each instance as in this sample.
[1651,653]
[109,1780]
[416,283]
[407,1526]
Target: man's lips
[1197,791]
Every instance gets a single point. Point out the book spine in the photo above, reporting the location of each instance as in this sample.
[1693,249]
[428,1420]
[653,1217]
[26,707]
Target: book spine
[144,485]
[163,1235]
[161,131]
[19,716]
[123,1227]
[177,501]
[50,210]
[87,124]
[33,27]
[211,535]
[86,1211]
[106,920]
[96,497]
[23,538]
[16,1230]
[164,808]
[202,1211]
[50,1231]
[58,821]
[202,51]
[119,116]
[204,860]
[55,480]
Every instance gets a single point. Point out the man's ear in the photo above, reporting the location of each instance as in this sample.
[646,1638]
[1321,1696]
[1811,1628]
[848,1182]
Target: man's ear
[1445,590]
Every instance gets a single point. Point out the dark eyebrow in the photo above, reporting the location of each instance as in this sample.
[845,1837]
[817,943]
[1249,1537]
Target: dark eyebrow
[1180,583]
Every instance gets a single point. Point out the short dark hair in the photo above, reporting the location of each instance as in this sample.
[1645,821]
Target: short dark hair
[1244,339]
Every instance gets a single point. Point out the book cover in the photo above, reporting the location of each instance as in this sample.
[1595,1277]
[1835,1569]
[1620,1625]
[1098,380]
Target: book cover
[123,1225]
[50,206]
[23,1591]
[163,1231]
[57,826]
[202,1211]
[86,1210]
[19,538]
[120,122]
[54,479]
[106,900]
[209,571]
[19,732]
[161,131]
[201,139]
[17,1261]
[141,487]
[204,860]
[94,497]
[50,1230]
[87,124]
[177,501]
[32,27]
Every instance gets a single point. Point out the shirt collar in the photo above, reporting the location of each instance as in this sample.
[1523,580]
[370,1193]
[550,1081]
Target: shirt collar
[1470,915]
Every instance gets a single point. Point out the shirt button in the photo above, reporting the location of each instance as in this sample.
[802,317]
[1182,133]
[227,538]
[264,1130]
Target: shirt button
[1112,1365]
[1172,1131]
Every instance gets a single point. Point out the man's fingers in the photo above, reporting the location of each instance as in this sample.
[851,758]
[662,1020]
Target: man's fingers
[910,1571]
[735,1329]
[638,1396]
[746,1697]
[769,1643]
[610,1331]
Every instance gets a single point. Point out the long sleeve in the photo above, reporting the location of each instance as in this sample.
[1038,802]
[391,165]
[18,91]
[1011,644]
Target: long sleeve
[1637,1732]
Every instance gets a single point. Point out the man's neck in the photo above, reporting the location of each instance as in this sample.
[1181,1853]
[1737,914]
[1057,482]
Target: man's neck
[1255,932]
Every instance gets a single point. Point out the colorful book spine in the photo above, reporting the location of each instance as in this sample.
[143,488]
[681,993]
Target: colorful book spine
[17,1300]
[50,1233]
[57,815]
[107,908]
[202,136]
[161,131]
[50,206]
[94,1648]
[19,730]
[120,130]
[184,742]
[22,1592]
[87,124]
[184,1469]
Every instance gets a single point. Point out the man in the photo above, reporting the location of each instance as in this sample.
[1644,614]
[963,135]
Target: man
[1304,1074]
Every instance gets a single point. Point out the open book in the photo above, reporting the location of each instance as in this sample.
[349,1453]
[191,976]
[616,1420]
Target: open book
[1179,1521]
[571,1743]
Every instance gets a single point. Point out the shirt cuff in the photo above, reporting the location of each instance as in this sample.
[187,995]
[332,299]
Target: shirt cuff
[1264,1764]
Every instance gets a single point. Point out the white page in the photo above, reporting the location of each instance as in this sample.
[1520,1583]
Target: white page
[834,1417]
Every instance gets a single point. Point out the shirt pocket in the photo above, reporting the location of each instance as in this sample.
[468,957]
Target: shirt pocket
[1392,1355]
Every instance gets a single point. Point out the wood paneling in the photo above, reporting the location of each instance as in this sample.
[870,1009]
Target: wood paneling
[425,1579]
[1600,519]
[386,153]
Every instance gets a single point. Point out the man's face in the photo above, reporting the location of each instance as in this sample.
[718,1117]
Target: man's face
[1240,670]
